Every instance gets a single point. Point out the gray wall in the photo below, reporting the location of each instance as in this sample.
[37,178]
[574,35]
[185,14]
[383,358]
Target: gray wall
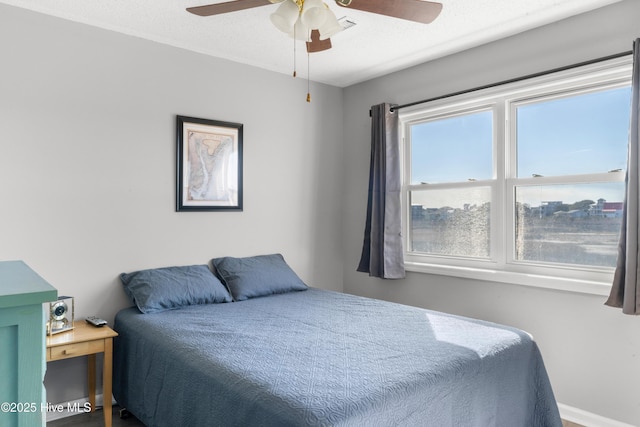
[87,164]
[592,352]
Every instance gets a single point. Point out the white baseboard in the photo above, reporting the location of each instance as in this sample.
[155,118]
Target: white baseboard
[588,419]
[67,409]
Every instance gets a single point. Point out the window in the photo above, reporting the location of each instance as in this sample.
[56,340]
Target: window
[521,183]
[452,151]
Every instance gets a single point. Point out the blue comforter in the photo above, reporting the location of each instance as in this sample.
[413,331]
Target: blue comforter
[321,358]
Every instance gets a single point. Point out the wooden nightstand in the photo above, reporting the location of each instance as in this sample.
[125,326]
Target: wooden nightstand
[87,340]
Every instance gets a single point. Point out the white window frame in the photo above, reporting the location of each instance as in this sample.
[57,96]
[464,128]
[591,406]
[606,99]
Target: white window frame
[503,100]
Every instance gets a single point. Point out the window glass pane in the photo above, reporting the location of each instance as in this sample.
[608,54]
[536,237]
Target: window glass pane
[452,222]
[569,224]
[453,149]
[574,135]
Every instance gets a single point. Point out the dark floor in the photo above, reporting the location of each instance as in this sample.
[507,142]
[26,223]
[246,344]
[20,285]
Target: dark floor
[96,419]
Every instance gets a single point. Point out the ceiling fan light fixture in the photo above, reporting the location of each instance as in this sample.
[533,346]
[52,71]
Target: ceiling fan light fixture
[285,17]
[300,31]
[314,13]
[330,27]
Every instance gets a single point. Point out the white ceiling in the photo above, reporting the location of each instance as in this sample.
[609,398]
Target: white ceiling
[377,45]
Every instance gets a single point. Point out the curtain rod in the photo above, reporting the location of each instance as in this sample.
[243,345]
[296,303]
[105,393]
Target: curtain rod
[517,79]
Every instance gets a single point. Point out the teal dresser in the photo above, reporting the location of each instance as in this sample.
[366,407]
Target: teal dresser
[22,349]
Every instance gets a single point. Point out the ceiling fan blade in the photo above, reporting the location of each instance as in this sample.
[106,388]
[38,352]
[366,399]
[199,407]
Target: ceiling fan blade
[317,45]
[226,7]
[413,10]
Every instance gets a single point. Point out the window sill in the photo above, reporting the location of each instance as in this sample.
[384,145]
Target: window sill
[517,278]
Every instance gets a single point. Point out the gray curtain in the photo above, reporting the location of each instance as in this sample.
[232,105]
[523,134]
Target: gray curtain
[382,251]
[625,292]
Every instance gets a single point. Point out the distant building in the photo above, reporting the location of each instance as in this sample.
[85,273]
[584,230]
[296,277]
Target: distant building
[606,209]
[549,208]
[612,209]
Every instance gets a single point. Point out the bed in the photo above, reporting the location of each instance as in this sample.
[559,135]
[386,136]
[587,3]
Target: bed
[311,357]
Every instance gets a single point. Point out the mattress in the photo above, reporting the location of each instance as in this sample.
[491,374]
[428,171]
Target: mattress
[322,358]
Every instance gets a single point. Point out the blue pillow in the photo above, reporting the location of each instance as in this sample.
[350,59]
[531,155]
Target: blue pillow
[167,288]
[257,276]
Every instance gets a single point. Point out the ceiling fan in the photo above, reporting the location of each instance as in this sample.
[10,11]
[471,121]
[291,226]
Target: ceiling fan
[313,21]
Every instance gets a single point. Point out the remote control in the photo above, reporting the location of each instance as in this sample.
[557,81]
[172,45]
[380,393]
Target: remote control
[96,321]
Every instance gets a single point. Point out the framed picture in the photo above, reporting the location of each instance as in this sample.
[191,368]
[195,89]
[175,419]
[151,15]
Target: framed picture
[209,165]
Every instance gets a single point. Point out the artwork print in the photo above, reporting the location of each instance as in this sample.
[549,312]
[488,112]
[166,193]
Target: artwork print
[209,165]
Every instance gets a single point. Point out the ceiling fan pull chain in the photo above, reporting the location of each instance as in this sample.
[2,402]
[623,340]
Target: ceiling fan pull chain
[294,52]
[308,77]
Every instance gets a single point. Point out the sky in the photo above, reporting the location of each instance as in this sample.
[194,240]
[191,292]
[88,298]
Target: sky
[581,134]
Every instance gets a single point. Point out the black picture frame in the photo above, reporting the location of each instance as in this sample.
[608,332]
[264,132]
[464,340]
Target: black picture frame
[209,165]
